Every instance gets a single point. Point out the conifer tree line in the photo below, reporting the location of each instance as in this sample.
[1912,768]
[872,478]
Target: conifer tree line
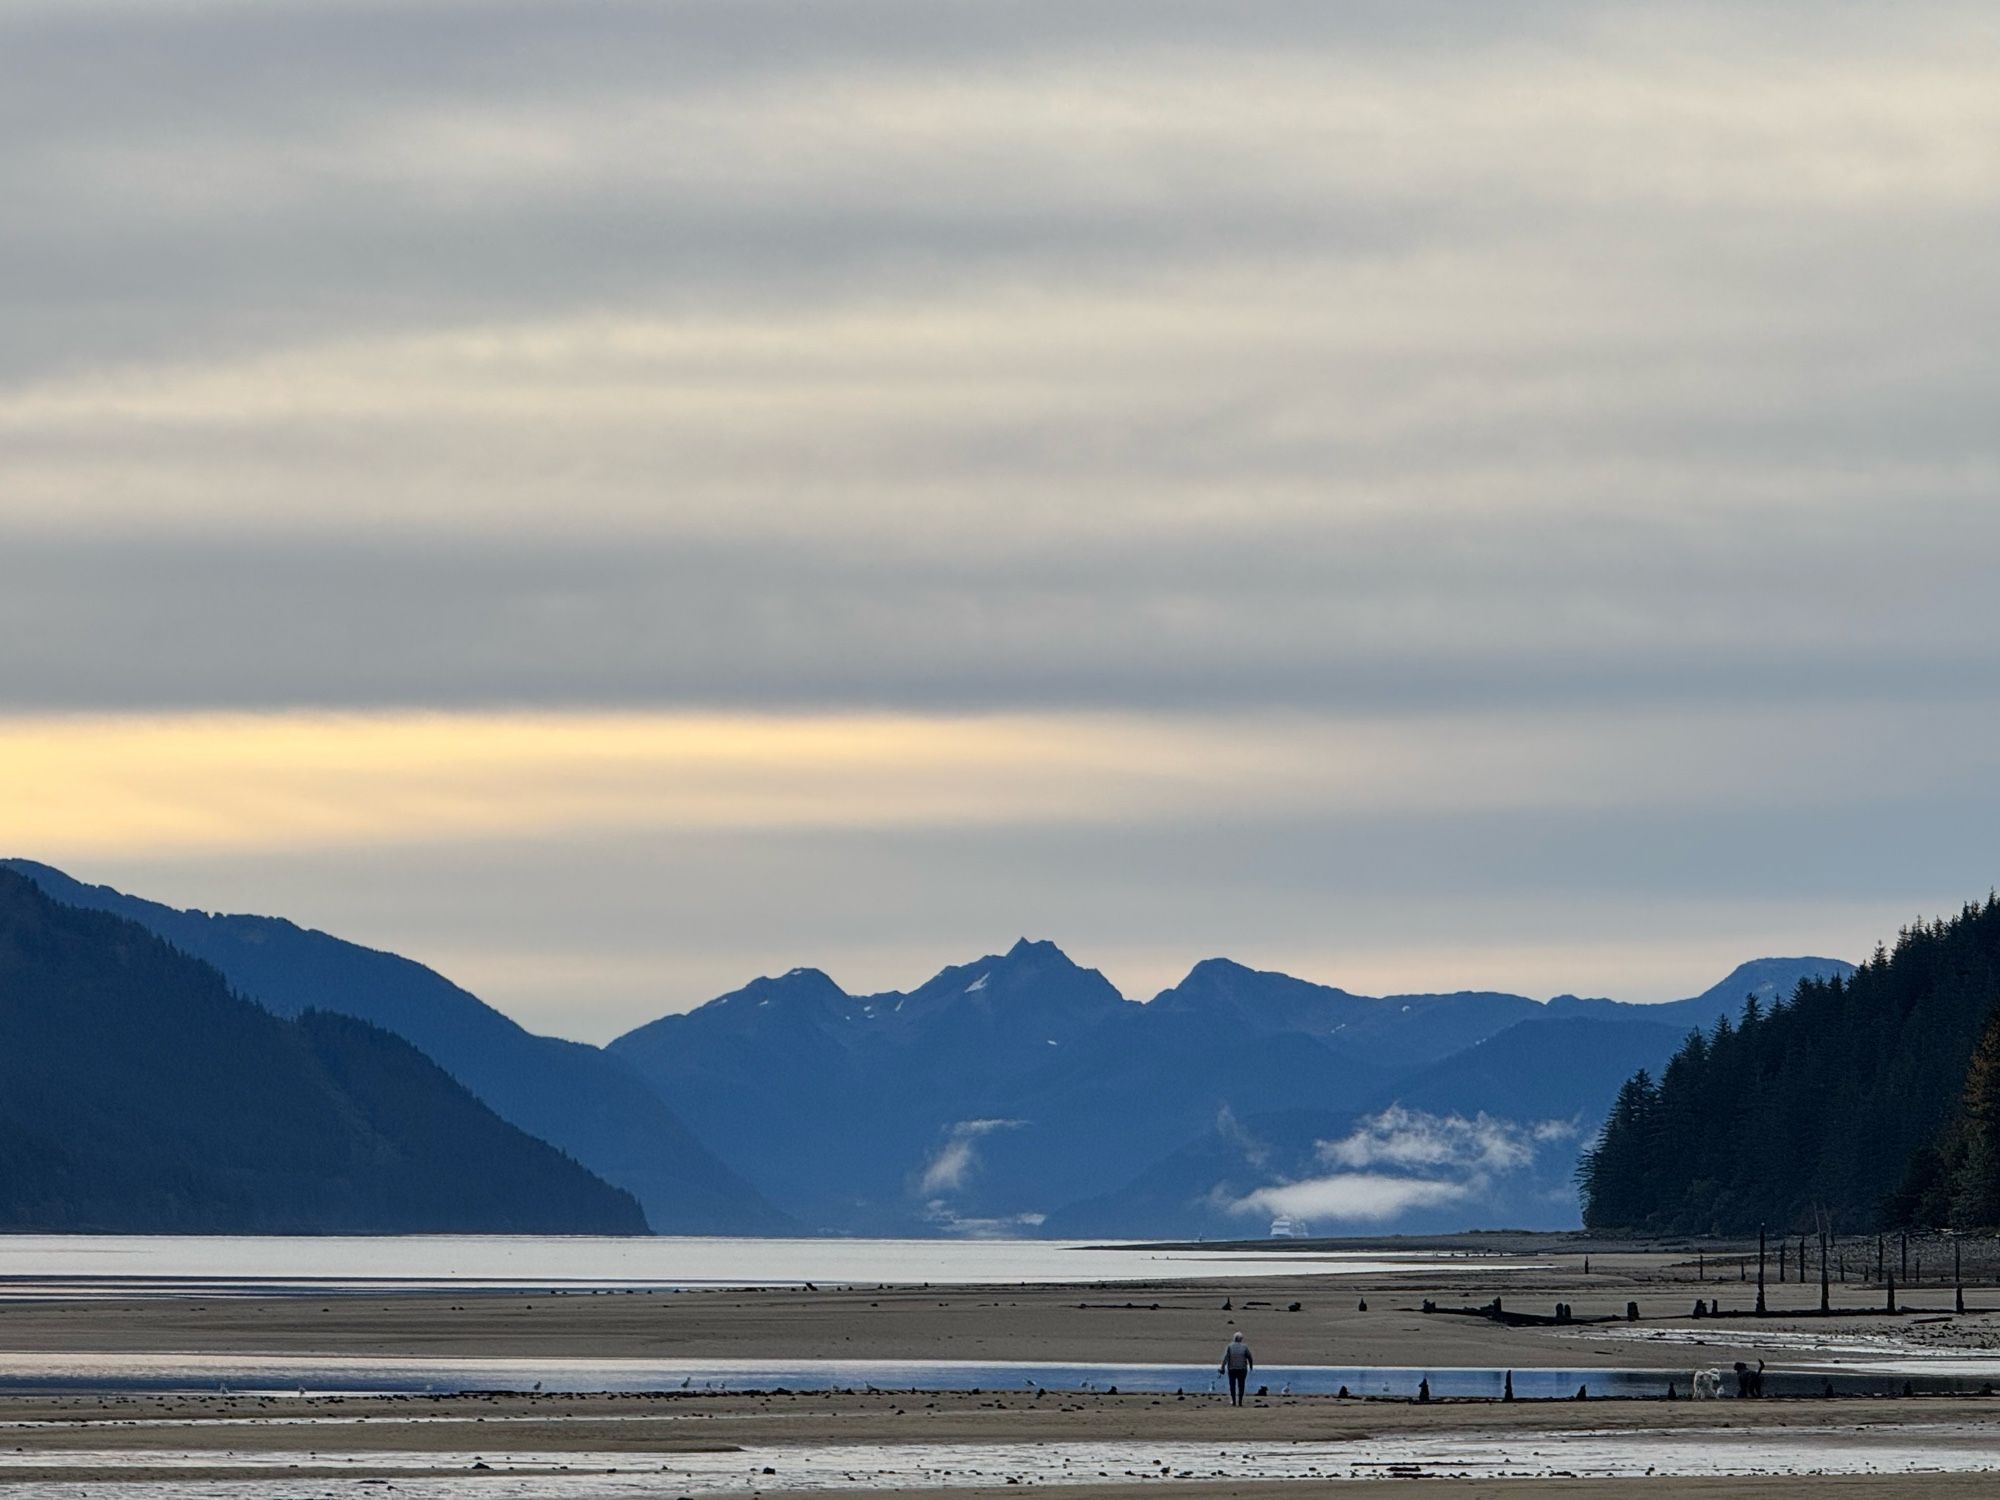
[1871,1101]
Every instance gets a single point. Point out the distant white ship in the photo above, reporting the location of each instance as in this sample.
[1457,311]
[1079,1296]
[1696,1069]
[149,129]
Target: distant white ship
[1285,1227]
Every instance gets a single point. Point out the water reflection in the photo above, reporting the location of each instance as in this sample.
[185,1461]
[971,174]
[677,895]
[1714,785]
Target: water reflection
[22,1374]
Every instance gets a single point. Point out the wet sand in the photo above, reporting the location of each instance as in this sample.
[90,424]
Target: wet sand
[1120,1324]
[106,1439]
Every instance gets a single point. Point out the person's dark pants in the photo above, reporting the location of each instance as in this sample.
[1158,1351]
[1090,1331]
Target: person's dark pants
[1237,1380]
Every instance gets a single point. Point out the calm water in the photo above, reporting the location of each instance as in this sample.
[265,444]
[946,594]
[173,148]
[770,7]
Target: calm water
[319,1374]
[354,1375]
[43,1265]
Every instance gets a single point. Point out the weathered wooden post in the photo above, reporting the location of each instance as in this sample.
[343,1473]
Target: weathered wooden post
[1760,1270]
[1890,1305]
[1783,1246]
[1700,1265]
[1881,1259]
[1825,1304]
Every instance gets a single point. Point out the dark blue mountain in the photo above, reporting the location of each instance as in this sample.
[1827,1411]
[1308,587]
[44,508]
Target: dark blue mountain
[1497,1124]
[570,1095]
[139,1095]
[1558,1068]
[1764,979]
[1017,1090]
[1194,1190]
[1395,1031]
[1007,1092]
[878,1113]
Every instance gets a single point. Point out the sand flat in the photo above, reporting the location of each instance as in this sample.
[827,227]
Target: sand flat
[1162,1322]
[102,1442]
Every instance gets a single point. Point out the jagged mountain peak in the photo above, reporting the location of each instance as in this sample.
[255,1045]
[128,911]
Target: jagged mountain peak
[1038,951]
[1031,968]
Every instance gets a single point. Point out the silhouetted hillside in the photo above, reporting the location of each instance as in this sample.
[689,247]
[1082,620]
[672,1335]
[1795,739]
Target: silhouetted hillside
[138,1094]
[566,1093]
[1853,1098]
[1765,980]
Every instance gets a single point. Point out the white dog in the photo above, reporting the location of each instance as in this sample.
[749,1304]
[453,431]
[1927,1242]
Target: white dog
[1707,1385]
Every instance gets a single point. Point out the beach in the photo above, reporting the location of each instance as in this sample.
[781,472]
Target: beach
[1360,1319]
[915,1443]
[704,1439]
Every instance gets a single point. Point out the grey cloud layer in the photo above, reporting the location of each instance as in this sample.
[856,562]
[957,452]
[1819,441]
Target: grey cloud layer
[1479,619]
[1631,366]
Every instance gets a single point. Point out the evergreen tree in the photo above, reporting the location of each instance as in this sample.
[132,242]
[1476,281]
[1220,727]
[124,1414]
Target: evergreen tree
[1615,1173]
[1974,1167]
[1877,1094]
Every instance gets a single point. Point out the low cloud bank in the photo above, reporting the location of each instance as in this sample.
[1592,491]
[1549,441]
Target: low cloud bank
[1404,1159]
[1411,1138]
[956,1160]
[1350,1196]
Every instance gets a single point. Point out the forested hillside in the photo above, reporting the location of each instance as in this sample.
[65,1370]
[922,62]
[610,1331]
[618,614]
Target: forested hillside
[138,1094]
[1870,1100]
[570,1095]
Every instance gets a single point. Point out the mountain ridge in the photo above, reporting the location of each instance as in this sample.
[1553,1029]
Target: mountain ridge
[139,1094]
[852,1107]
[567,1093]
[997,1093]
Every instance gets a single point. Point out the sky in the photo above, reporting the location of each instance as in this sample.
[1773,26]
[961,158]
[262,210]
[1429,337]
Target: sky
[614,498]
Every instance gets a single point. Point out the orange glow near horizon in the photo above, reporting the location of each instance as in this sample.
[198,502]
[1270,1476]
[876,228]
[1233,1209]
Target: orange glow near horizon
[220,782]
[138,786]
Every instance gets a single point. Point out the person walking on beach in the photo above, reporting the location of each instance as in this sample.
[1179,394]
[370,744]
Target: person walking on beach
[1237,1361]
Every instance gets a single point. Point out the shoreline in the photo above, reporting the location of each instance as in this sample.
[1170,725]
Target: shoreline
[1371,1320]
[1346,1319]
